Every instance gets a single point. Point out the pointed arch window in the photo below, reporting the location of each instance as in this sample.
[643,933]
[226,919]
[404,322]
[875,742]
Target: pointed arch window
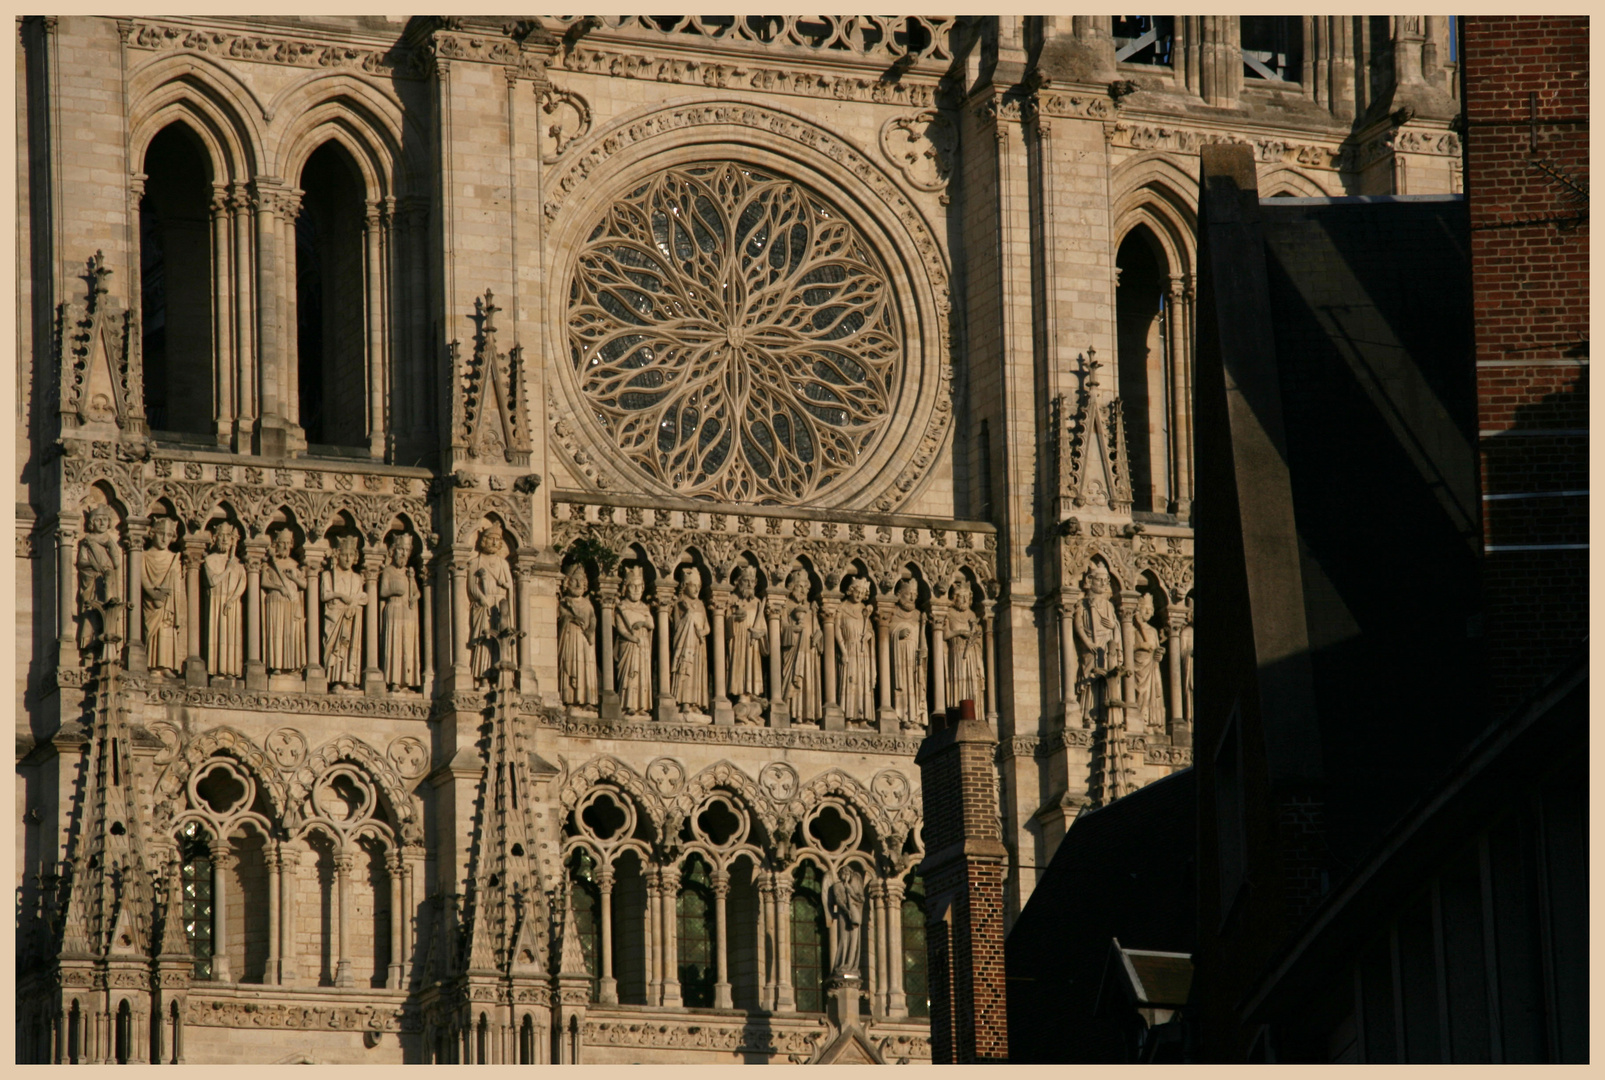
[332,302]
[916,983]
[176,284]
[696,935]
[587,901]
[1142,307]
[810,942]
[195,879]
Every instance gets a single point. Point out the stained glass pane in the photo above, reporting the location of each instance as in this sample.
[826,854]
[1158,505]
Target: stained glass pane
[696,935]
[915,983]
[809,940]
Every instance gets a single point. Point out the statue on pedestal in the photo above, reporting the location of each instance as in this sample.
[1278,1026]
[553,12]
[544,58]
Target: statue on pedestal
[966,658]
[855,642]
[576,641]
[1146,652]
[343,599]
[632,635]
[748,646]
[845,900]
[398,617]
[909,656]
[225,585]
[1097,630]
[284,645]
[490,600]
[688,664]
[164,605]
[801,646]
[99,579]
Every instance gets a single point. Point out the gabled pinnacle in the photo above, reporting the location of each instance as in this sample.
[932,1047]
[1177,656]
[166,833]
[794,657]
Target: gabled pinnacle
[572,957]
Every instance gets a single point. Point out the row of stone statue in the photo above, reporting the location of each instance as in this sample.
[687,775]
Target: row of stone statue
[1118,651]
[256,610]
[845,653]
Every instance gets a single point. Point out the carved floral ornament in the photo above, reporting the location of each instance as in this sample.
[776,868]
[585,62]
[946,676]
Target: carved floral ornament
[734,334]
[739,329]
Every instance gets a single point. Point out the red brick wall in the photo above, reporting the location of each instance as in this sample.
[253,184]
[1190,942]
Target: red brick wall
[964,870]
[1529,250]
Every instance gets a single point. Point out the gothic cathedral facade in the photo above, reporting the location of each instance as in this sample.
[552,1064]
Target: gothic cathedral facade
[501,501]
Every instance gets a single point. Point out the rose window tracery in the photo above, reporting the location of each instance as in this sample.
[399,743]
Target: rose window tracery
[734,334]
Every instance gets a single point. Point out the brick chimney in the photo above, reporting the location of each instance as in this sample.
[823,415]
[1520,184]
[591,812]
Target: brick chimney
[964,866]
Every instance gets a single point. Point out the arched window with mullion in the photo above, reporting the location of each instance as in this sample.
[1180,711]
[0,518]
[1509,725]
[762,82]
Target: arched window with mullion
[810,939]
[195,882]
[587,908]
[696,934]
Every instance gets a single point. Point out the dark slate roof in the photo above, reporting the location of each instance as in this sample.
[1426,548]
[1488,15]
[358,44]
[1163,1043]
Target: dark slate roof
[1124,871]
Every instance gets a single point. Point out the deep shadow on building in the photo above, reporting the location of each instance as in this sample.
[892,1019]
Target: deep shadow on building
[1391,780]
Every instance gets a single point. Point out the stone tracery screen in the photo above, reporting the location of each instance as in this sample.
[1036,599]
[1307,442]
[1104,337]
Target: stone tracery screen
[734,334]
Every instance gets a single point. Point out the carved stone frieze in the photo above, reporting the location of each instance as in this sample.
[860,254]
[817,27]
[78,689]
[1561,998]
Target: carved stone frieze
[729,76]
[264,1014]
[273,49]
[1269,149]
[294,704]
[682,1035]
[565,118]
[865,742]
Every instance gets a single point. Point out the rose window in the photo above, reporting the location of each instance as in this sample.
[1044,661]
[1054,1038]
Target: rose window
[734,334]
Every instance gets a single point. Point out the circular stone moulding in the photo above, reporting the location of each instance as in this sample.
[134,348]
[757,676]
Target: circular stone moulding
[735,335]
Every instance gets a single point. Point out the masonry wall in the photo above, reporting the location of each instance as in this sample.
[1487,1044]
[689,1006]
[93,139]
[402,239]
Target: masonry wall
[1526,92]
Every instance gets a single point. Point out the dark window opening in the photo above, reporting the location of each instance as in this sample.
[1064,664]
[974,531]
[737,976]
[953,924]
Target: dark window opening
[916,984]
[195,881]
[1273,47]
[809,939]
[175,273]
[695,935]
[1144,39]
[587,901]
[331,301]
[1141,309]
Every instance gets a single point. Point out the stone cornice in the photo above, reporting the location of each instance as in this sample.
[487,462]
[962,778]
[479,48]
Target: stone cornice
[792,738]
[278,48]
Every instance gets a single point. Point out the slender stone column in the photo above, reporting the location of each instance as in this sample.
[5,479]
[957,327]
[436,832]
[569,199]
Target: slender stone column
[396,869]
[373,679]
[663,597]
[654,950]
[607,600]
[1128,639]
[768,955]
[271,858]
[785,999]
[316,677]
[289,210]
[459,615]
[222,329]
[834,719]
[270,340]
[194,664]
[222,863]
[409,904]
[989,654]
[779,716]
[135,593]
[721,986]
[255,670]
[524,582]
[67,595]
[343,864]
[426,623]
[896,999]
[244,319]
[724,713]
[1069,664]
[1176,351]
[883,655]
[671,950]
[607,990]
[939,663]
[289,872]
[372,272]
[875,912]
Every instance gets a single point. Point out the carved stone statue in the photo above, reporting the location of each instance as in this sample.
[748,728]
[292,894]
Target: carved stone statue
[966,655]
[632,657]
[845,899]
[99,577]
[1148,677]
[284,626]
[802,644]
[747,647]
[909,655]
[490,600]
[855,644]
[398,617]
[688,665]
[343,599]
[1097,630]
[164,605]
[576,641]
[1184,642]
[224,575]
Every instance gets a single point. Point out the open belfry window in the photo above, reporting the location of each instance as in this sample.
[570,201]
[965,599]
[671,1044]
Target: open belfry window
[1273,47]
[1144,39]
